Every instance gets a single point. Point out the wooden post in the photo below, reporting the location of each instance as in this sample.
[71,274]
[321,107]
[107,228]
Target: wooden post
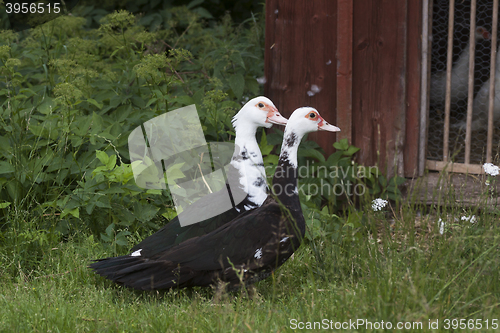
[344,69]
[413,88]
[470,101]
[449,64]
[424,92]
[379,82]
[300,59]
[489,143]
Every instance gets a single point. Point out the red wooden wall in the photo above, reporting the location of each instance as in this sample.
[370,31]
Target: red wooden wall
[299,54]
[364,56]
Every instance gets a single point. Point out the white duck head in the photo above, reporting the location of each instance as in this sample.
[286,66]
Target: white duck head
[257,112]
[302,121]
[482,33]
[247,158]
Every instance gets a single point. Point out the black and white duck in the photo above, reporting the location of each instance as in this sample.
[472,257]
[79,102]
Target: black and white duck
[247,249]
[246,176]
[459,76]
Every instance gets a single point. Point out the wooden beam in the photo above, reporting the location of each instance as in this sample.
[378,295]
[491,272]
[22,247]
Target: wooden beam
[413,88]
[300,64]
[454,167]
[425,86]
[470,100]
[344,69]
[379,82]
[449,64]
[491,106]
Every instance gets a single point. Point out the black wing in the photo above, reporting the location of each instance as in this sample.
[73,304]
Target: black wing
[256,242]
[173,233]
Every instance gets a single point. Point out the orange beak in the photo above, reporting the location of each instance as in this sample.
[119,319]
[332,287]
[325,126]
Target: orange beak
[324,126]
[274,117]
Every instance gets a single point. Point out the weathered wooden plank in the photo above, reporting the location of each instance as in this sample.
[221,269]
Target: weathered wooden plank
[425,86]
[413,86]
[455,190]
[491,100]
[454,167]
[300,63]
[379,70]
[344,68]
[449,64]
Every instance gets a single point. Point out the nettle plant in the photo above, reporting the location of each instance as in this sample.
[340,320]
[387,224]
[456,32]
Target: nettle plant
[70,96]
[336,182]
[333,189]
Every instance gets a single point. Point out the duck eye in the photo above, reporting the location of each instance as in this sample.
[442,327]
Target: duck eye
[261,105]
[312,115]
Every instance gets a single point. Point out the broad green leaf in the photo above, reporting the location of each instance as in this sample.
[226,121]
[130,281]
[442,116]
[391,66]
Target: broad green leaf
[102,156]
[47,106]
[341,145]
[271,159]
[6,167]
[397,180]
[44,132]
[151,101]
[109,229]
[75,212]
[169,214]
[194,3]
[312,153]
[334,158]
[351,151]
[383,180]
[105,238]
[203,13]
[4,205]
[174,172]
[145,212]
[97,124]
[252,85]
[95,103]
[237,84]
[265,148]
[236,57]
[183,100]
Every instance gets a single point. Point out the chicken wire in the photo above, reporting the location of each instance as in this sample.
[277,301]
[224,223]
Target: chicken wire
[459,82]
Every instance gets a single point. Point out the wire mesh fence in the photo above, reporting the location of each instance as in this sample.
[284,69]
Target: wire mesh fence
[460,82]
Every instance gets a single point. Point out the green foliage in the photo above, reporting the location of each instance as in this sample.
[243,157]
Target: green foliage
[338,181]
[109,195]
[397,278]
[71,94]
[113,238]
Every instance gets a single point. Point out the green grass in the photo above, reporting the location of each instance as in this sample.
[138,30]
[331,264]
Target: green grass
[403,273]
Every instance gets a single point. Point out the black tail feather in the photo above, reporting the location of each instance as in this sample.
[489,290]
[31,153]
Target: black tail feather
[145,274]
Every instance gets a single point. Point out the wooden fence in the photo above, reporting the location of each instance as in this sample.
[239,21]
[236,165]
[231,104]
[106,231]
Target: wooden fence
[357,62]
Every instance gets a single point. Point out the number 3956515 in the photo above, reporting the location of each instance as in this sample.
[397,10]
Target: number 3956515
[32,8]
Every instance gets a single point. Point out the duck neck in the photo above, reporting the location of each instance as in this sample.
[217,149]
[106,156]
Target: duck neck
[285,177]
[247,147]
[244,134]
[463,59]
[247,159]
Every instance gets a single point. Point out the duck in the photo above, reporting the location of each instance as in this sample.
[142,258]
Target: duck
[459,75]
[246,183]
[481,103]
[243,251]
